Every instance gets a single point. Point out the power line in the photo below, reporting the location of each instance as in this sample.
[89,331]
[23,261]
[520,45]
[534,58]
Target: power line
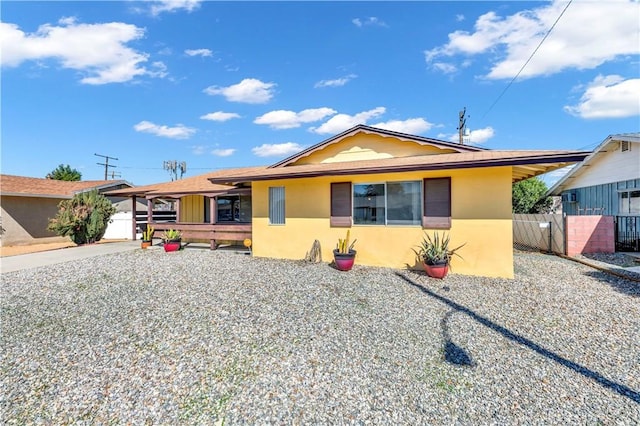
[105,164]
[528,60]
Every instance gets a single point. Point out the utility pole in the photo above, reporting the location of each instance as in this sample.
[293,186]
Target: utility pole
[106,164]
[115,175]
[172,166]
[462,125]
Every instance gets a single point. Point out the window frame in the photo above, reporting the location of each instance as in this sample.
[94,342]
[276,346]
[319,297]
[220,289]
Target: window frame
[277,217]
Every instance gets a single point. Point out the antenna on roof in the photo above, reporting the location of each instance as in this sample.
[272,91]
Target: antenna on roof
[462,129]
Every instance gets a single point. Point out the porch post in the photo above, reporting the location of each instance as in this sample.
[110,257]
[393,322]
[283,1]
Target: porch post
[213,209]
[149,210]
[134,224]
[177,210]
[213,212]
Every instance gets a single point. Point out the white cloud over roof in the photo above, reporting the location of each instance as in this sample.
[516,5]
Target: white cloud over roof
[413,126]
[335,82]
[99,51]
[249,90]
[282,119]
[341,122]
[588,35]
[608,97]
[177,132]
[272,150]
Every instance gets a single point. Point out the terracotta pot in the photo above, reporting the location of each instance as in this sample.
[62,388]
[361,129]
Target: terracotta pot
[436,271]
[145,244]
[173,245]
[344,261]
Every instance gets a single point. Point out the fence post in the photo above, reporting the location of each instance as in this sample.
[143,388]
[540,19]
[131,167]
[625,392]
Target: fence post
[550,238]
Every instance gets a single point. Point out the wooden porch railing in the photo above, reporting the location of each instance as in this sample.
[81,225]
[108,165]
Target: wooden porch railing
[206,231]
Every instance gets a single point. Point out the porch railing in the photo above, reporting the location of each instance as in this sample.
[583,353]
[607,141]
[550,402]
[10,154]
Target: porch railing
[214,232]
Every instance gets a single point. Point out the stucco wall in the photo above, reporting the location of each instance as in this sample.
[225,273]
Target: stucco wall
[25,220]
[481,218]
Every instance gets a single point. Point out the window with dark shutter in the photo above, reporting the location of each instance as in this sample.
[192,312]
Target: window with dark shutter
[340,204]
[437,203]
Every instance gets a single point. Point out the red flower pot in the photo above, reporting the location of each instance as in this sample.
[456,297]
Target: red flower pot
[436,271]
[172,246]
[344,261]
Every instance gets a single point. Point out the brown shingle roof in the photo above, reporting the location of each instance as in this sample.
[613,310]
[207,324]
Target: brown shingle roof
[199,184]
[526,164]
[40,187]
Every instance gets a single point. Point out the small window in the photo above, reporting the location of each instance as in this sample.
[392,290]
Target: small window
[437,203]
[369,204]
[276,205]
[340,204]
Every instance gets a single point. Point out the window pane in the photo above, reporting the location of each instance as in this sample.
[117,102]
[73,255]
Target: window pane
[369,204]
[276,205]
[404,205]
[245,208]
[634,202]
[624,203]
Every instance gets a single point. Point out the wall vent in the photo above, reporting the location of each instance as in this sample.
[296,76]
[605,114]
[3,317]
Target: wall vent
[625,146]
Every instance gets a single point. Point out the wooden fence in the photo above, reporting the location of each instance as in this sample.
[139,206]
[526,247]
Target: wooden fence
[539,232]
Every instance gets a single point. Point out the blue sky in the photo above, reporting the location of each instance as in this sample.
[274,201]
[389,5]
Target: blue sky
[231,84]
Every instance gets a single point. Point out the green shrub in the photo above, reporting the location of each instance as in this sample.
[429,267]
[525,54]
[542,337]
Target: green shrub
[84,218]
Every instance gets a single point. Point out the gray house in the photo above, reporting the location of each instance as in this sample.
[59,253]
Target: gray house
[607,182]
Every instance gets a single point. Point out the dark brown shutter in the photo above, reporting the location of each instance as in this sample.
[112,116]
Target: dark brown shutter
[341,204]
[437,203]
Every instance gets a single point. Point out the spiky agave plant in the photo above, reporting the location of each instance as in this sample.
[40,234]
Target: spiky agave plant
[435,250]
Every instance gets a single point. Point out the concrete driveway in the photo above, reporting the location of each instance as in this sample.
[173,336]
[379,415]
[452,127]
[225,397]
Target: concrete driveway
[35,260]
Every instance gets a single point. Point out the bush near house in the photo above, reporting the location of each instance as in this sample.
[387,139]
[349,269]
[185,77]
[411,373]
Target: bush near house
[84,218]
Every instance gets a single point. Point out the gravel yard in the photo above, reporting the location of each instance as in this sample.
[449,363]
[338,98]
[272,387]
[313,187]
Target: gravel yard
[201,337]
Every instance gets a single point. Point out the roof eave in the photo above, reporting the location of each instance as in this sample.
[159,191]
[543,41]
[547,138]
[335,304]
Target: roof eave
[562,158]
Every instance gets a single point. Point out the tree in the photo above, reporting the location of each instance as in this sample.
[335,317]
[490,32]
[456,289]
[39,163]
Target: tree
[83,218]
[528,197]
[63,172]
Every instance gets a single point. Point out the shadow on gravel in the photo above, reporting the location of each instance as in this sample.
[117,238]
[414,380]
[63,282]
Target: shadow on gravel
[618,388]
[624,286]
[453,353]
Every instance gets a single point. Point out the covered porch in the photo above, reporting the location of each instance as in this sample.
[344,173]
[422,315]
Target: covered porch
[203,211]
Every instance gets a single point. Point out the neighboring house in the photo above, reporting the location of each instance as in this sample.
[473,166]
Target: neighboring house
[387,187]
[607,182]
[28,203]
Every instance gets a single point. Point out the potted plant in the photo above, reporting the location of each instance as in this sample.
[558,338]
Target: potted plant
[172,239]
[147,237]
[344,254]
[435,254]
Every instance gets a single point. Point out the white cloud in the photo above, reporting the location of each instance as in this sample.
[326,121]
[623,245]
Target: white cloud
[341,122]
[249,90]
[198,52]
[177,132]
[272,150]
[282,119]
[588,34]
[223,152]
[97,50]
[413,126]
[370,21]
[198,149]
[161,6]
[475,137]
[608,97]
[444,67]
[335,83]
[220,116]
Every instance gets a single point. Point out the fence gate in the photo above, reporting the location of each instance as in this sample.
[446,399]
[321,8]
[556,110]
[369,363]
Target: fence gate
[627,233]
[538,232]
